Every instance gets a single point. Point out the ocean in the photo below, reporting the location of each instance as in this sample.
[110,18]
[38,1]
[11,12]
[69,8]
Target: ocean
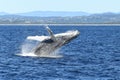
[93,55]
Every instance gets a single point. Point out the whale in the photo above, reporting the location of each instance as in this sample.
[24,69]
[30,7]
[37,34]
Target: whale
[49,44]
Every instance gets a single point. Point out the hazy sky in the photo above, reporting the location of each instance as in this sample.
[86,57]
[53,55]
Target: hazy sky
[91,6]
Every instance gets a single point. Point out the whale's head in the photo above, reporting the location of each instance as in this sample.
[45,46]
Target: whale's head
[67,36]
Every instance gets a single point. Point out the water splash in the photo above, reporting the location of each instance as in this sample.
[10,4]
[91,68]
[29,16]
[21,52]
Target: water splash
[28,45]
[27,54]
[52,55]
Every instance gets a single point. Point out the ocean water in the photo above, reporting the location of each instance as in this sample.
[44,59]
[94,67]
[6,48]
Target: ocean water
[94,55]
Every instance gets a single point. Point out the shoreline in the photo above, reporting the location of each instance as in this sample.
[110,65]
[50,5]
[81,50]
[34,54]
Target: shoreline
[60,24]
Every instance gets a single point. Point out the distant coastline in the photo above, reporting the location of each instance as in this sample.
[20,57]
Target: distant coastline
[93,20]
[60,24]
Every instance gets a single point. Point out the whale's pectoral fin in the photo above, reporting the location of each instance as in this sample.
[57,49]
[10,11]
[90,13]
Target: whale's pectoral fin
[50,33]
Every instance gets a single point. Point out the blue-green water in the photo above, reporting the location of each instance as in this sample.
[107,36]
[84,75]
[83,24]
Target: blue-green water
[94,55]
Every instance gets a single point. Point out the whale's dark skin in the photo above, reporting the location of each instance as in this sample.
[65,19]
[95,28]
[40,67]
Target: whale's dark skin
[49,45]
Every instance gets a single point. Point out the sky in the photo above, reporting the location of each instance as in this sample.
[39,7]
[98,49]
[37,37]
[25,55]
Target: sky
[90,6]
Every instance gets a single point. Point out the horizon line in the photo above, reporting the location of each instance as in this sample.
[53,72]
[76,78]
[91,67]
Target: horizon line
[58,11]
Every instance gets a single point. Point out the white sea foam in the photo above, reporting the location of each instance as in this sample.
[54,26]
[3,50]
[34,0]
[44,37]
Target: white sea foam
[43,55]
[27,54]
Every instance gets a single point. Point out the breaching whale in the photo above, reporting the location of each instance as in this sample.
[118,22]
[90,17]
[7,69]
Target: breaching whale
[48,44]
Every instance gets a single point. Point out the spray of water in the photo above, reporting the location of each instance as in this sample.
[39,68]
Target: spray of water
[28,45]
